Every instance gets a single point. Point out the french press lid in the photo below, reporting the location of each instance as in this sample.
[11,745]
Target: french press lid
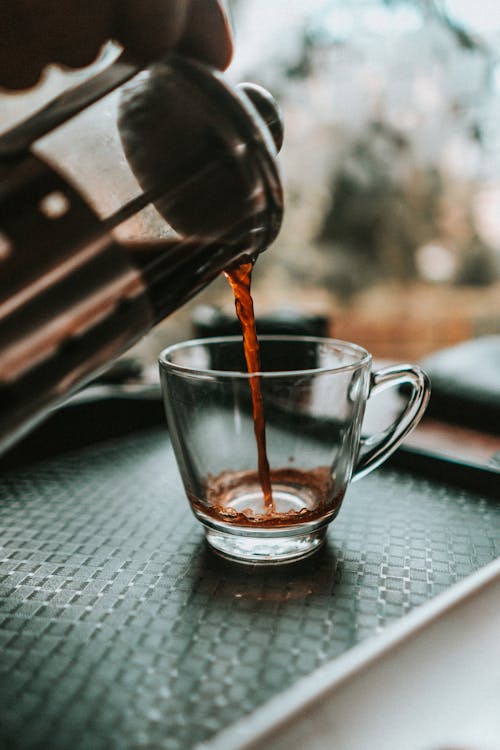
[203,151]
[206,149]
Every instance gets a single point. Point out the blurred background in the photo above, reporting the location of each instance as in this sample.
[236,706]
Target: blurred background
[391,165]
[391,168]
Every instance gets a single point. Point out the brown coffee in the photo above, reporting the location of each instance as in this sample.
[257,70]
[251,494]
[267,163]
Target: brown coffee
[240,279]
[300,496]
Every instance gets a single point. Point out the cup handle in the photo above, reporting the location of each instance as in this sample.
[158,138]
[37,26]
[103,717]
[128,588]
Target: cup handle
[375,449]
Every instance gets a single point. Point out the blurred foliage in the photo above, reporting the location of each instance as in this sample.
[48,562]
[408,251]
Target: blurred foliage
[387,137]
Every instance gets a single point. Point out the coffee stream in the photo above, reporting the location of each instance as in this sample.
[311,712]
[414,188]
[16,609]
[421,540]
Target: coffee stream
[240,279]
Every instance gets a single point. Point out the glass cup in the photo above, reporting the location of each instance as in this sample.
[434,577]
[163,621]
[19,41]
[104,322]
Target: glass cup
[314,392]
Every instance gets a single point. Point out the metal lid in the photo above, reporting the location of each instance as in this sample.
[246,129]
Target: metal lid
[205,151]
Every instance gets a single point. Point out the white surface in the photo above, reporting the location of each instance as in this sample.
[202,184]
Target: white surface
[429,682]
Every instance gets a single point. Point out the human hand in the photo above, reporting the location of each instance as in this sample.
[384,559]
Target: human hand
[35,33]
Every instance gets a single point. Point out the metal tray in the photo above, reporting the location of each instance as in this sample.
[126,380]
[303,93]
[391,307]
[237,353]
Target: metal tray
[119,629]
[431,680]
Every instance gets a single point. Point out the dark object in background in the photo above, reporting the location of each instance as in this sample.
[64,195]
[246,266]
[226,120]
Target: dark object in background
[123,370]
[466,384]
[211,321]
[98,413]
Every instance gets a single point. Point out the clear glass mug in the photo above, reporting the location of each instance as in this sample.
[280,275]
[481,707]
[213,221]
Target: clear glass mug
[314,393]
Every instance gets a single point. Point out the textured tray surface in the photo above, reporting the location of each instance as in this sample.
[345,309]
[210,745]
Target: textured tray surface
[118,629]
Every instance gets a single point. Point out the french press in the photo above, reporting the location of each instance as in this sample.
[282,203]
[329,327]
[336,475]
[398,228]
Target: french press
[72,297]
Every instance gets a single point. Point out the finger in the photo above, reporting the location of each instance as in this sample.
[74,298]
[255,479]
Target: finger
[20,63]
[35,33]
[207,34]
[148,28]
[77,31]
[15,76]
[38,32]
